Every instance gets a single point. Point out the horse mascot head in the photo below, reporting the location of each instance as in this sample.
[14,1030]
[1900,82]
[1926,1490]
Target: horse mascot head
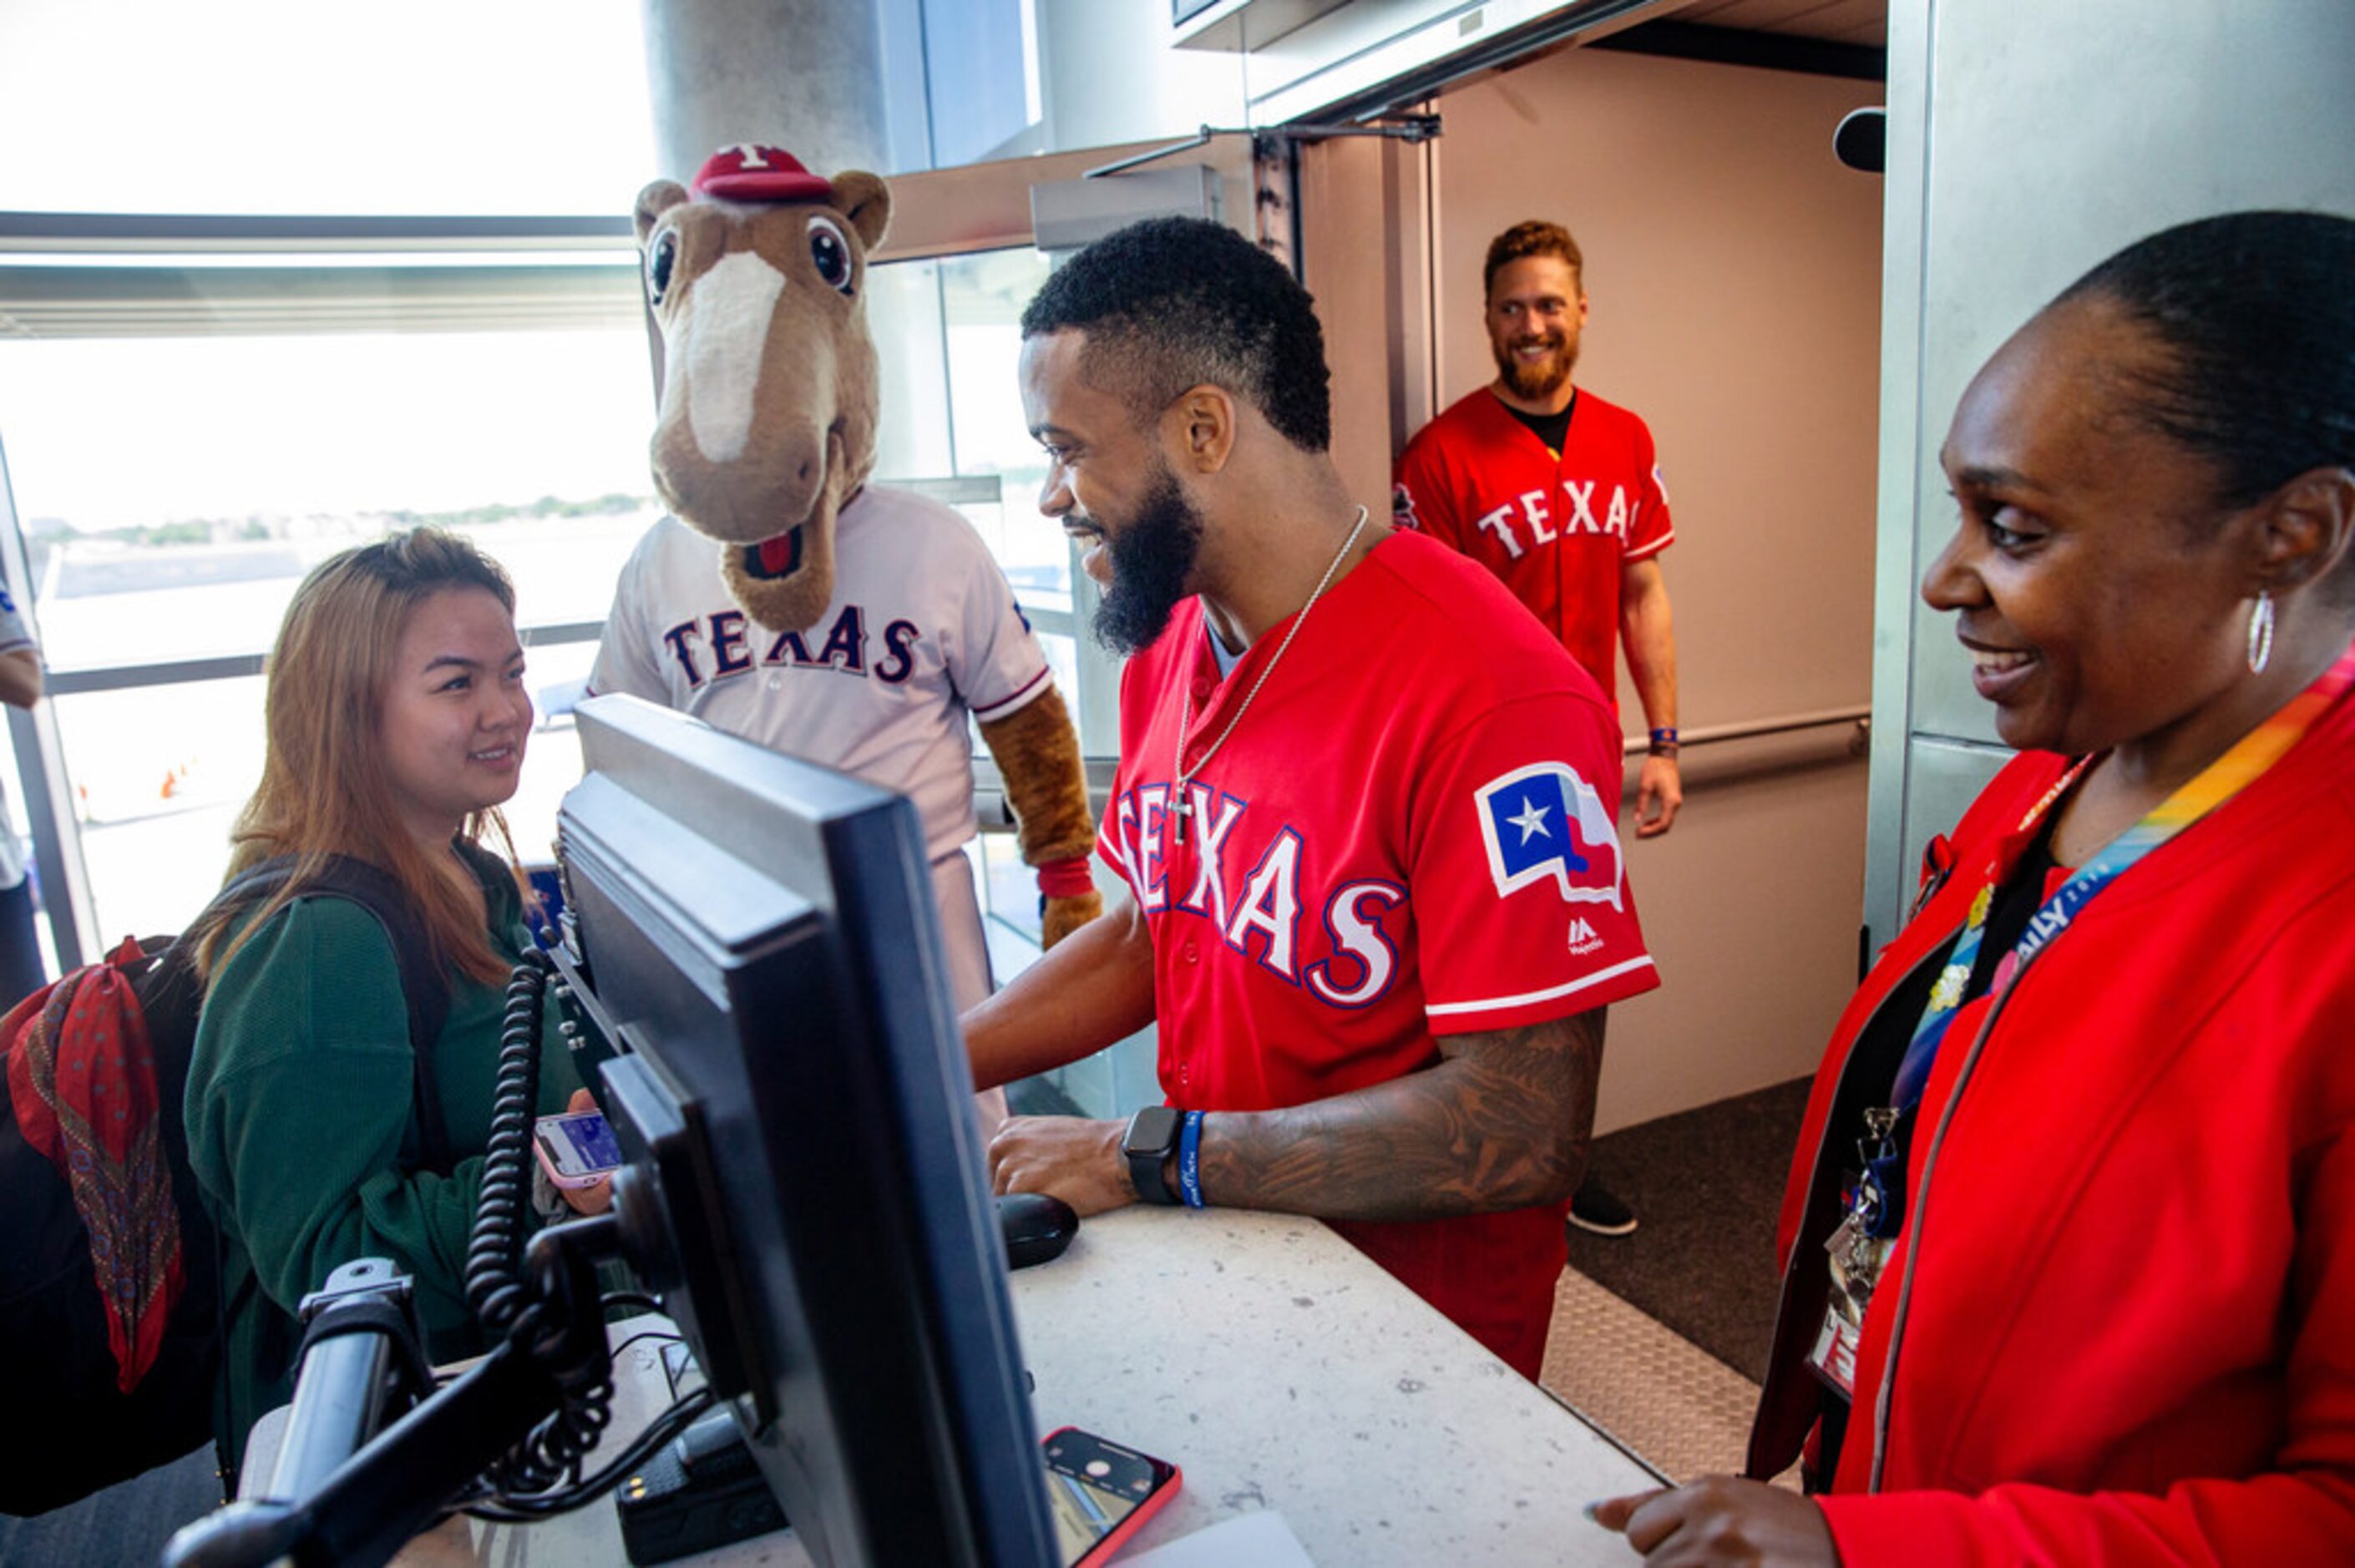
[767,430]
[767,423]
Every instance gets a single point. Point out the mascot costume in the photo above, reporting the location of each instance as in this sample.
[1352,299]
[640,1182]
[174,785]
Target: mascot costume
[787,600]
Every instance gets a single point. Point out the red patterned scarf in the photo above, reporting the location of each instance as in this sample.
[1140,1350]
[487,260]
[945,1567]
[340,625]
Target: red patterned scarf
[82,1078]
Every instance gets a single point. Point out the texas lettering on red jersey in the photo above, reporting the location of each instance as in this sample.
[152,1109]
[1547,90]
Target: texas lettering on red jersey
[1408,834]
[1556,530]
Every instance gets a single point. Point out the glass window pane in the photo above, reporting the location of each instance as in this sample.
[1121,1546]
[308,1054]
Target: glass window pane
[981,65]
[174,491]
[983,296]
[948,331]
[158,775]
[915,439]
[551,759]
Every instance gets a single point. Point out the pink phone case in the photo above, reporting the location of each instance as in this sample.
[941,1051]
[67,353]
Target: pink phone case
[570,1183]
[1104,1551]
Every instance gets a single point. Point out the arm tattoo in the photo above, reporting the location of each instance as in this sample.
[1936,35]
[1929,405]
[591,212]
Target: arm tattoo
[1502,1121]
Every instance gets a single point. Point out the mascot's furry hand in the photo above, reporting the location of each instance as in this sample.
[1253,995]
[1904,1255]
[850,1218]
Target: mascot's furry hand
[1046,784]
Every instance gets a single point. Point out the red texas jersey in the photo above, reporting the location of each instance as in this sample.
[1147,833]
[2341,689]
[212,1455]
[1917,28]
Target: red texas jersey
[1556,531]
[1410,833]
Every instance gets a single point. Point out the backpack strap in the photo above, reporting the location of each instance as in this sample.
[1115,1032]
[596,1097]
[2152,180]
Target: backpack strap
[422,984]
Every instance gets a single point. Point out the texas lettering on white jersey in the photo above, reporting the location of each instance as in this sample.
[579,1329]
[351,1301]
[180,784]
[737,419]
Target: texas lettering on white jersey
[723,643]
[922,636]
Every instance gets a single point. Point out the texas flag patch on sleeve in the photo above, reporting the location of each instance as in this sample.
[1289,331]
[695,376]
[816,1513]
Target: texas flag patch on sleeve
[1545,823]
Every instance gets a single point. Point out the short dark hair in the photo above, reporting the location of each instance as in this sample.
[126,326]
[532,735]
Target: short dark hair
[2256,313]
[1534,238]
[1175,303]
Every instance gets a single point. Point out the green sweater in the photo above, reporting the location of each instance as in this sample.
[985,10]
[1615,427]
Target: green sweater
[303,1129]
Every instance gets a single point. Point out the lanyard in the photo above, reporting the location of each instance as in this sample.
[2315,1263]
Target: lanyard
[2240,767]
[1947,996]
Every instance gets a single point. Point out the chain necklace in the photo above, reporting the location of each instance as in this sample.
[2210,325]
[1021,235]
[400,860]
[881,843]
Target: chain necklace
[1185,807]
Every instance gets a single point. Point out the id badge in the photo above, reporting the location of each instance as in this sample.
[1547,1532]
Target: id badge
[1854,1260]
[1834,1356]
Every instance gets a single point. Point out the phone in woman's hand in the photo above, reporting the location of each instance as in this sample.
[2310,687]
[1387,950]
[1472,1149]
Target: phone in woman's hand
[577,1149]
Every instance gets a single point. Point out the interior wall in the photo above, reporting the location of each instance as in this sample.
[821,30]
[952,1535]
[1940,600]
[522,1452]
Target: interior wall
[1364,208]
[1732,267]
[1733,274]
[2232,107]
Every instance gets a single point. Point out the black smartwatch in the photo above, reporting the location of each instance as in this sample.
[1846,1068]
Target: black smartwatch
[1150,1140]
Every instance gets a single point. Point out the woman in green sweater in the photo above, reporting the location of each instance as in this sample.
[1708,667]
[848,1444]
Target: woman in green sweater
[397,719]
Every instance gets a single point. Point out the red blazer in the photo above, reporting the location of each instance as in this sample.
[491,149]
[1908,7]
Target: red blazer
[2120,1325]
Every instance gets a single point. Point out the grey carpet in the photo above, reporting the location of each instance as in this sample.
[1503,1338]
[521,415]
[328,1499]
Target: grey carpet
[1705,1185]
[123,1525]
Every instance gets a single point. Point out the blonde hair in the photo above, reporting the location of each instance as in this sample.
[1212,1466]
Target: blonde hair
[323,789]
[1533,237]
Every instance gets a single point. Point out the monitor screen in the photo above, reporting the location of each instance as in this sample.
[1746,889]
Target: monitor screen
[804,1190]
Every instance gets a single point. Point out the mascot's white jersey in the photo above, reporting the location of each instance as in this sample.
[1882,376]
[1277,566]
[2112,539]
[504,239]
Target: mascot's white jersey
[921,631]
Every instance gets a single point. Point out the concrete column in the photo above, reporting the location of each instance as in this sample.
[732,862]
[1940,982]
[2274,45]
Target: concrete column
[805,75]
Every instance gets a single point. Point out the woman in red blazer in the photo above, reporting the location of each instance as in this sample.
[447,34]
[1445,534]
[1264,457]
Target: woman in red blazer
[2069,1243]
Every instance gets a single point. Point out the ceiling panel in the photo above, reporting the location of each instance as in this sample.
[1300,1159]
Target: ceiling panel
[1835,21]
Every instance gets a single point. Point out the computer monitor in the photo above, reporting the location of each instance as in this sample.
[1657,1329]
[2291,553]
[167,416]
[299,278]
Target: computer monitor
[805,1188]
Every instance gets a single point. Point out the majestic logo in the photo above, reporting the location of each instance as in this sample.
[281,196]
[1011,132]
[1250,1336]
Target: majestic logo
[1543,822]
[1583,936]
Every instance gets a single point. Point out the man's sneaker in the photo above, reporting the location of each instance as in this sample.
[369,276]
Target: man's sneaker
[1595,1208]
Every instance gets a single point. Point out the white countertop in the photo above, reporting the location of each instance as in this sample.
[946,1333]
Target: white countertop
[1289,1372]
[1276,1365]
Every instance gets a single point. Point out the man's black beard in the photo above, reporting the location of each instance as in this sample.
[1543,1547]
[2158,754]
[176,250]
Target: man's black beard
[1523,381]
[1152,559]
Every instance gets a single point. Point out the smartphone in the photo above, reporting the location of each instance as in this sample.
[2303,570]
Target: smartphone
[576,1149]
[1101,1493]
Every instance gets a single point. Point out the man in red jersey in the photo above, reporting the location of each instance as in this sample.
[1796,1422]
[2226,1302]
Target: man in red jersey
[1377,902]
[1557,493]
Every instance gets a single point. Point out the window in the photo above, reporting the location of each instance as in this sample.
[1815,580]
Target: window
[949,333]
[196,410]
[981,77]
[173,491]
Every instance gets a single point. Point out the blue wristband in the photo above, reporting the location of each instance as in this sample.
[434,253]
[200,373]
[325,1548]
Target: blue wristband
[1190,1160]
[1664,736]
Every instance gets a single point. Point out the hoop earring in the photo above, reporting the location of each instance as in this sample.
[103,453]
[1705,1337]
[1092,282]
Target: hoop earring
[2261,634]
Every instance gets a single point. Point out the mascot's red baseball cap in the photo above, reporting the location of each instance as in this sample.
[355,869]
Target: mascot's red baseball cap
[748,172]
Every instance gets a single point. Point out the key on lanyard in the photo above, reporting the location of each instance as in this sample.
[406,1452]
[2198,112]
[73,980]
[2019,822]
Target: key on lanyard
[1881,1190]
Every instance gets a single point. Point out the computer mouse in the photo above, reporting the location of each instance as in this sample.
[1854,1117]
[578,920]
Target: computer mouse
[1037,1227]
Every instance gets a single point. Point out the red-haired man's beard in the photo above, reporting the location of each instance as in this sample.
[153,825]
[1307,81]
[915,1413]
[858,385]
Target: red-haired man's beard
[1534,378]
